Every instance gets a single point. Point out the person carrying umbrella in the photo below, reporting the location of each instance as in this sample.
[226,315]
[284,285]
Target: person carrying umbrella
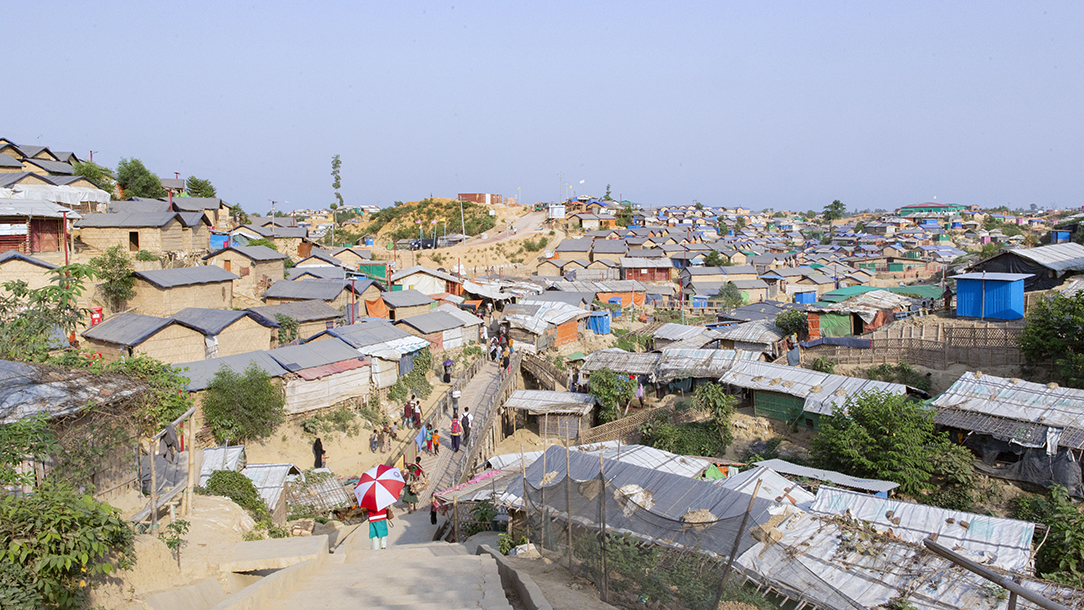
[448,370]
[378,489]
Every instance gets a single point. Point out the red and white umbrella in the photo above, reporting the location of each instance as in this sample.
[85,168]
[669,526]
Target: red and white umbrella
[379,487]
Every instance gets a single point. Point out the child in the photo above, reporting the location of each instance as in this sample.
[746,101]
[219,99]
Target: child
[373,442]
[436,442]
[429,442]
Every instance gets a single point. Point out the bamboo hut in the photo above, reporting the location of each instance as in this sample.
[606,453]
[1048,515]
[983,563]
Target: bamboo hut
[558,414]
[164,292]
[312,317]
[129,334]
[257,266]
[154,232]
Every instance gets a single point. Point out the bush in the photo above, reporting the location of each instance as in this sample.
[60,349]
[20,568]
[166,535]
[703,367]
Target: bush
[338,420]
[55,540]
[612,391]
[145,256]
[901,373]
[114,268]
[793,322]
[238,488]
[822,364]
[287,328]
[243,407]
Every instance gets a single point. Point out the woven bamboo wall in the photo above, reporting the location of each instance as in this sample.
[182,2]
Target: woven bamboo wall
[244,335]
[308,329]
[153,301]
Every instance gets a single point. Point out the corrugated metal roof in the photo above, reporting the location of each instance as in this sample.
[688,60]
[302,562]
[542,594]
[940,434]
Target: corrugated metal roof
[829,476]
[996,277]
[759,331]
[467,318]
[600,286]
[543,315]
[676,332]
[201,373]
[620,360]
[186,276]
[269,480]
[1066,256]
[324,370]
[221,458]
[869,304]
[773,486]
[406,298]
[544,401]
[698,363]
[1015,399]
[308,355]
[576,299]
[27,389]
[822,392]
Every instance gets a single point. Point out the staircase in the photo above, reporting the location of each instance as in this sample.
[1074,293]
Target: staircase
[431,576]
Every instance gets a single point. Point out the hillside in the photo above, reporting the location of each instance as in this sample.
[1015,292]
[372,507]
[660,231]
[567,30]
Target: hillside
[401,221]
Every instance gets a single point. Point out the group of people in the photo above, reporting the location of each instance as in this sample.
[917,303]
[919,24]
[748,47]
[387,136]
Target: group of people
[412,413]
[381,439]
[501,346]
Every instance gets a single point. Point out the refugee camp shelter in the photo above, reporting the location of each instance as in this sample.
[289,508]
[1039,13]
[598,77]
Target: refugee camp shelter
[795,395]
[155,232]
[15,265]
[324,374]
[557,414]
[998,296]
[1022,431]
[129,334]
[443,330]
[860,314]
[427,281]
[32,225]
[1048,265]
[758,336]
[227,331]
[641,364]
[201,373]
[270,482]
[164,292]
[539,326]
[311,316]
[403,304]
[257,266]
[336,293]
[686,369]
[391,349]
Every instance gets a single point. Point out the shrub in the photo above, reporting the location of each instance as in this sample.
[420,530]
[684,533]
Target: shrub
[287,328]
[793,322]
[238,488]
[145,256]
[243,407]
[337,420]
[823,364]
[114,268]
[612,391]
[901,373]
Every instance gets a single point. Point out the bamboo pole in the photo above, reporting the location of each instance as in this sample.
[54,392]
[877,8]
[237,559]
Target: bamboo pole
[542,502]
[568,505]
[190,437]
[154,486]
[737,543]
[455,518]
[604,593]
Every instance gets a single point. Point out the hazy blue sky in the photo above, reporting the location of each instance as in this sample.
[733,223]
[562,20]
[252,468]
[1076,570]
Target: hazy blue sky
[764,104]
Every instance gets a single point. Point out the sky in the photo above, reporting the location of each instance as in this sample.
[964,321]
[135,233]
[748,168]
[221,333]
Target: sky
[782,105]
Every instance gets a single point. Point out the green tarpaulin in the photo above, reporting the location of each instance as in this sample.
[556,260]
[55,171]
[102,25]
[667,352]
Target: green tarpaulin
[835,325]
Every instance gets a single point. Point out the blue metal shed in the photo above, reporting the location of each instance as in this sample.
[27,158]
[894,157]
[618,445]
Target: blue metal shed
[1057,237]
[998,296]
[599,322]
[805,297]
[700,301]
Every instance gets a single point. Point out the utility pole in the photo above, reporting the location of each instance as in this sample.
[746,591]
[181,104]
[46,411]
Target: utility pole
[462,221]
[273,223]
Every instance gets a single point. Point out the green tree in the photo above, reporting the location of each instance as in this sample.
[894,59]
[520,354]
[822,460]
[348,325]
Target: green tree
[714,259]
[336,181]
[1053,338]
[30,317]
[135,180]
[728,297]
[1061,557]
[97,174]
[607,196]
[834,211]
[243,407]
[886,436]
[239,215]
[612,391]
[198,187]
[114,269]
[713,399]
[793,322]
[699,206]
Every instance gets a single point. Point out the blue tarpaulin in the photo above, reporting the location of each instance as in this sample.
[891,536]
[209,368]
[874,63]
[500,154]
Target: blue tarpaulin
[599,322]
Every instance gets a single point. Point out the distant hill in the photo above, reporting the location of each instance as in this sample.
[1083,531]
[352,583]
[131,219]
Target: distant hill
[401,221]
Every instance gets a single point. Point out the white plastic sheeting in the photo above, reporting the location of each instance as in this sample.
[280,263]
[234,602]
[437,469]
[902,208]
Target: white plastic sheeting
[303,396]
[1015,399]
[773,486]
[822,392]
[992,541]
[67,195]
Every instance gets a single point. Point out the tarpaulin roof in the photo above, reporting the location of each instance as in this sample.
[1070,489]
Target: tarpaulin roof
[406,298]
[220,458]
[127,329]
[317,353]
[186,276]
[482,487]
[760,331]
[822,392]
[1015,399]
[37,208]
[201,373]
[269,480]
[620,360]
[538,402]
[830,476]
[467,318]
[16,255]
[1005,542]
[676,332]
[302,311]
[773,486]
[214,321]
[1066,256]
[333,368]
[28,389]
[698,363]
[433,322]
[536,318]
[869,304]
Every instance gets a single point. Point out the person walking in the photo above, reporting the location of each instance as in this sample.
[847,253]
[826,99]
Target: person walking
[318,454]
[378,529]
[408,413]
[467,419]
[505,357]
[456,432]
[456,395]
[417,416]
[640,394]
[436,441]
[429,441]
[414,485]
